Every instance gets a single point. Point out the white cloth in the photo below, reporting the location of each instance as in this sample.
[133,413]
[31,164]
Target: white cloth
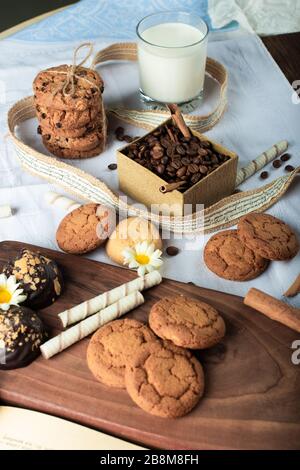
[265,17]
[260,113]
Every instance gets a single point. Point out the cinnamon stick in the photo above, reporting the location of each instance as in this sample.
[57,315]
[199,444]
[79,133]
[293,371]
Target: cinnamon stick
[294,289]
[273,308]
[178,120]
[171,187]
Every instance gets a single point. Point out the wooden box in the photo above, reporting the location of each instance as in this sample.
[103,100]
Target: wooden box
[142,185]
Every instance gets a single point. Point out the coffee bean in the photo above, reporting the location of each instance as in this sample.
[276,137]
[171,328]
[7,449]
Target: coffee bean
[277,164]
[264,175]
[164,160]
[197,160]
[39,130]
[285,157]
[172,250]
[181,172]
[203,169]
[202,152]
[160,169]
[193,168]
[195,178]
[119,131]
[186,161]
[112,166]
[289,168]
[176,164]
[180,150]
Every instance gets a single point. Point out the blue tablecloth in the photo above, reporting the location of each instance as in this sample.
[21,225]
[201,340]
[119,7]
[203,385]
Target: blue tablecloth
[108,19]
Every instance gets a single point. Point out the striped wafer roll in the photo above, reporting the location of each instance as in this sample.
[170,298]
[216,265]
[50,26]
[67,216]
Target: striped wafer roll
[63,202]
[5,211]
[262,160]
[85,309]
[89,325]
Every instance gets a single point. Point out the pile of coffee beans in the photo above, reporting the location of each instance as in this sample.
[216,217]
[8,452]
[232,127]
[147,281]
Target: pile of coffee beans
[173,157]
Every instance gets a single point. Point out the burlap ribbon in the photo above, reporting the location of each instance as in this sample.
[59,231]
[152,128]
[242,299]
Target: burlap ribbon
[223,214]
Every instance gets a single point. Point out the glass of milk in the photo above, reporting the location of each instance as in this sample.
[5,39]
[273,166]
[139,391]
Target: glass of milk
[172,49]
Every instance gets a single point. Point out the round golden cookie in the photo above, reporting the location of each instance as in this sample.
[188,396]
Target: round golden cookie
[85,228]
[164,380]
[228,257]
[187,322]
[128,233]
[112,347]
[268,236]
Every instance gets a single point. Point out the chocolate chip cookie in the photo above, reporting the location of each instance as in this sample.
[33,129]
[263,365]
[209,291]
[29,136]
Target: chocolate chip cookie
[48,88]
[187,322]
[268,236]
[38,276]
[228,257]
[72,153]
[85,228]
[89,140]
[64,119]
[45,128]
[164,381]
[112,347]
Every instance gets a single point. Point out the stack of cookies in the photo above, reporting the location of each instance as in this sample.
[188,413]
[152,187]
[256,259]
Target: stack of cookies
[70,111]
[245,253]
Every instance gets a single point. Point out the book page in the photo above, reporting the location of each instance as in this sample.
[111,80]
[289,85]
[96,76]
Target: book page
[22,429]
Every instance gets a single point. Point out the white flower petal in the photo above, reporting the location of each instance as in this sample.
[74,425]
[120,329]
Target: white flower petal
[3,280]
[133,264]
[157,263]
[141,271]
[4,307]
[157,254]
[150,249]
[11,284]
[149,268]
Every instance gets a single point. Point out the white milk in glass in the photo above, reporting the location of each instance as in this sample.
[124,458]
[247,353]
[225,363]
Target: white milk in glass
[172,59]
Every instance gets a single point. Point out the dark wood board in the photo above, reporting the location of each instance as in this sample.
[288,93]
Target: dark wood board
[252,388]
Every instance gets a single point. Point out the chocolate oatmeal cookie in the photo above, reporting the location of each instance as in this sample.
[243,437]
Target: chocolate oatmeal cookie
[45,128]
[268,236]
[228,257]
[89,140]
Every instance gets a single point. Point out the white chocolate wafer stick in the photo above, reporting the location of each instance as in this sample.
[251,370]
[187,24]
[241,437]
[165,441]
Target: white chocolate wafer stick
[262,160]
[85,309]
[91,324]
[63,202]
[5,211]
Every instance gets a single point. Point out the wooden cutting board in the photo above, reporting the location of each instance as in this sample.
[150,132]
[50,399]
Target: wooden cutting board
[252,388]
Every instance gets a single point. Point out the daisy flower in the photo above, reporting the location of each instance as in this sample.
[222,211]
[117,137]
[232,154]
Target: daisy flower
[143,257]
[9,292]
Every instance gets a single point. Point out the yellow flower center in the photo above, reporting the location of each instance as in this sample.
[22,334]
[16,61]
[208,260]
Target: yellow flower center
[142,259]
[5,295]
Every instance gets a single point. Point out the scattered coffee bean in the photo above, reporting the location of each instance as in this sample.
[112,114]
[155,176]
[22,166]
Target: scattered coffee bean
[264,175]
[289,168]
[112,166]
[277,164]
[285,157]
[172,250]
[119,132]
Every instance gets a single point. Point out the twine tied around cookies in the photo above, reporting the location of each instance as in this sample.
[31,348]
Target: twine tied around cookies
[71,74]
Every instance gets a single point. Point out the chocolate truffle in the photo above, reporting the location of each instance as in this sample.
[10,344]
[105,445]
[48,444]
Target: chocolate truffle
[38,276]
[21,334]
